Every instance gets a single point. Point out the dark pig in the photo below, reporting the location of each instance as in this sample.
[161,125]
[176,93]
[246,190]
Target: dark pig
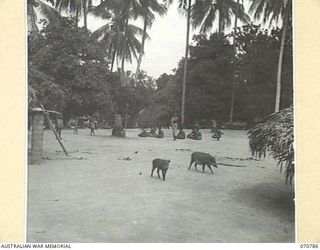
[203,159]
[162,165]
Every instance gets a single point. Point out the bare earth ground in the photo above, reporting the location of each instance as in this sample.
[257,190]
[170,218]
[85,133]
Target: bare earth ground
[96,195]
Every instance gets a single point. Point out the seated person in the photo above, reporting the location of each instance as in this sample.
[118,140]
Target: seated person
[195,134]
[144,133]
[122,133]
[152,132]
[216,133]
[160,133]
[181,134]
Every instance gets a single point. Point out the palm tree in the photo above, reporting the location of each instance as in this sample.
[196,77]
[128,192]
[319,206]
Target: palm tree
[70,7]
[124,10]
[185,7]
[129,9]
[205,12]
[36,6]
[185,68]
[84,4]
[76,7]
[120,46]
[148,8]
[273,11]
[234,85]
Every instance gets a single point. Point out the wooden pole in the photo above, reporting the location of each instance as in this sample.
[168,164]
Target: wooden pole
[55,133]
[50,124]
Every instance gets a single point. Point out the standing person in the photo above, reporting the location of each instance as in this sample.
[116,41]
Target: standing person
[75,126]
[174,126]
[92,125]
[59,124]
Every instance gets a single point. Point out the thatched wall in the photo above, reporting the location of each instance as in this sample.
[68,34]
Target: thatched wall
[276,137]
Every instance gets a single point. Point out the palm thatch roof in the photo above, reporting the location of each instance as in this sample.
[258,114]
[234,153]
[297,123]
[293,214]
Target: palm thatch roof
[275,136]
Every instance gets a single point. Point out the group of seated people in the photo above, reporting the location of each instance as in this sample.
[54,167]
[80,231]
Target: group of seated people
[194,135]
[152,133]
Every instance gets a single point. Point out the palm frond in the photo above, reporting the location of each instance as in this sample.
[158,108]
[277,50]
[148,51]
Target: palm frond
[270,11]
[276,137]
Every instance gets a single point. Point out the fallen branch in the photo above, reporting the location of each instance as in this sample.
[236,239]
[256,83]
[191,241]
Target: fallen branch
[231,165]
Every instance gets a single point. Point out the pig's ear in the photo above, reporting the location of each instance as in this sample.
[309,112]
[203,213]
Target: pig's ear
[168,161]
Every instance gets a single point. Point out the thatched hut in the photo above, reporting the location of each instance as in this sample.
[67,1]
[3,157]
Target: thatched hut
[276,137]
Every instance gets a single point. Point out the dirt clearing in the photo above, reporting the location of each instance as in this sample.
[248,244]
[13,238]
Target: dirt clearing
[103,192]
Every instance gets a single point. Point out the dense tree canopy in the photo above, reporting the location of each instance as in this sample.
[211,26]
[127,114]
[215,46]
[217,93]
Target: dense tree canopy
[69,70]
[211,73]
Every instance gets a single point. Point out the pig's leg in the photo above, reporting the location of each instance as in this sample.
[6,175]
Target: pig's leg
[195,165]
[210,168]
[152,171]
[164,174]
[203,165]
[158,173]
[190,164]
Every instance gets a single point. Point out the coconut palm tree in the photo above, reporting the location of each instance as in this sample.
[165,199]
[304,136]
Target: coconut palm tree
[34,7]
[205,12]
[120,41]
[234,61]
[71,7]
[75,7]
[124,10]
[272,11]
[103,10]
[148,9]
[185,8]
[129,9]
[185,68]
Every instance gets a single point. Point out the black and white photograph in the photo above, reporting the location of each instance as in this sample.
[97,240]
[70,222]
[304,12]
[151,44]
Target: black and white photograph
[160,121]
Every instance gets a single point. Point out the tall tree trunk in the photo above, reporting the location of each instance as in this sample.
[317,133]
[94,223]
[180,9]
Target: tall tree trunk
[183,102]
[113,59]
[85,14]
[234,87]
[279,73]
[117,62]
[125,43]
[77,16]
[220,24]
[142,46]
